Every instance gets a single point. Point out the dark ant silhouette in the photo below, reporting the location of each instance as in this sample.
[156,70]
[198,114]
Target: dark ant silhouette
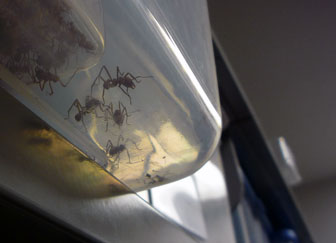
[91,105]
[119,115]
[122,79]
[42,77]
[112,150]
[154,179]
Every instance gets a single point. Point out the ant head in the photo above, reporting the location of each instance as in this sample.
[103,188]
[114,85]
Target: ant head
[122,147]
[132,85]
[117,113]
[78,117]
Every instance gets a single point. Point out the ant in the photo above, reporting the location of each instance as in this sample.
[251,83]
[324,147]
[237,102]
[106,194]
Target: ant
[154,179]
[122,79]
[119,115]
[112,150]
[44,77]
[91,104]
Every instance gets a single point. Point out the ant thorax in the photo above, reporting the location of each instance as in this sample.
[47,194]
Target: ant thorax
[112,83]
[106,84]
[91,103]
[116,150]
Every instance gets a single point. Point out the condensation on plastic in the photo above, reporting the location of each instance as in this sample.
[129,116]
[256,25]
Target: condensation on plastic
[174,120]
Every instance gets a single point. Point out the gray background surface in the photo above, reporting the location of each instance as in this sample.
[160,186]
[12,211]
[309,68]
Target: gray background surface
[284,55]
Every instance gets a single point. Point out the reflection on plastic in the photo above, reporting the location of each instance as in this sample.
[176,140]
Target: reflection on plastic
[193,80]
[285,161]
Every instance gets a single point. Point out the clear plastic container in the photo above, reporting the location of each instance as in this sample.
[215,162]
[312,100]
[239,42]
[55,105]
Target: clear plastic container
[140,95]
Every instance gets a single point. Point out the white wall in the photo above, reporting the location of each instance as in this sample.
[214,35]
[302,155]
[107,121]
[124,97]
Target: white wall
[317,201]
[284,55]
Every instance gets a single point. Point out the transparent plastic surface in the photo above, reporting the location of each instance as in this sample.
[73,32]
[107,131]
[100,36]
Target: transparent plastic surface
[147,109]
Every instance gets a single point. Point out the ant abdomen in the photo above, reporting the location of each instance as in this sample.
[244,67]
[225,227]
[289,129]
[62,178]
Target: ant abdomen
[78,117]
[118,117]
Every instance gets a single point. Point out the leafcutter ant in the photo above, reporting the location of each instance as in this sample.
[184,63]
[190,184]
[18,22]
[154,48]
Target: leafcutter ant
[119,115]
[42,77]
[122,79]
[91,105]
[154,179]
[112,150]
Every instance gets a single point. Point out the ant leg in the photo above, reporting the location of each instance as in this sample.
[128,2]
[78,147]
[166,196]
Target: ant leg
[97,114]
[126,93]
[33,78]
[111,107]
[128,139]
[129,157]
[106,126]
[108,73]
[77,104]
[138,81]
[116,161]
[124,110]
[106,118]
[107,110]
[119,73]
[51,89]
[101,107]
[84,124]
[41,84]
[99,76]
[136,78]
[120,138]
[103,95]
[108,145]
[133,78]
[94,83]
[70,79]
